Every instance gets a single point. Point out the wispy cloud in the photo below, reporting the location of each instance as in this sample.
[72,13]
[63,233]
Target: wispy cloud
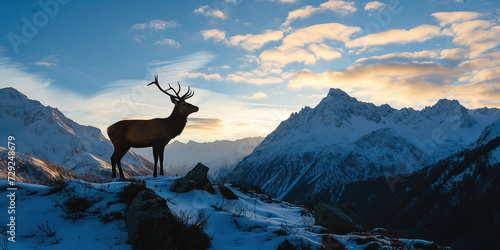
[454,54]
[156,25]
[216,34]
[425,54]
[396,36]
[447,18]
[248,42]
[258,95]
[252,42]
[48,61]
[168,41]
[209,12]
[341,8]
[255,77]
[202,75]
[204,124]
[375,5]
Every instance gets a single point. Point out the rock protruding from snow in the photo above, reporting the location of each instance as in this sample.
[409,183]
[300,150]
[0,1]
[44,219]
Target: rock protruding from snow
[196,178]
[148,220]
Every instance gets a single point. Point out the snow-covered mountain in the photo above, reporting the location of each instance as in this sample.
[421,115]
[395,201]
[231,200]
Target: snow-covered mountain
[222,156]
[455,201]
[47,134]
[343,140]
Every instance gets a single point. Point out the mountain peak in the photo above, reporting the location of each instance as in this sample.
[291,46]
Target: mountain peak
[11,93]
[447,103]
[334,92]
[337,97]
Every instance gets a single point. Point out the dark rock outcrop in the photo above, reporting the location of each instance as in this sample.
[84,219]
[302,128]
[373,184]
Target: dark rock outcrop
[196,178]
[227,193]
[151,225]
[338,219]
[148,220]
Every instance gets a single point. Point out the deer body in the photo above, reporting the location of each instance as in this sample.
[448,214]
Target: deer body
[155,133]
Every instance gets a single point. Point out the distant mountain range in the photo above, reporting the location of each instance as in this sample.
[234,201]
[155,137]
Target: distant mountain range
[343,140]
[47,140]
[45,133]
[221,156]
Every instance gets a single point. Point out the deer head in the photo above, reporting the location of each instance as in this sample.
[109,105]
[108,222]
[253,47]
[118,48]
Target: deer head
[181,106]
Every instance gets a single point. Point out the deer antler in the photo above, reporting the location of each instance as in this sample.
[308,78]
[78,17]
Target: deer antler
[187,95]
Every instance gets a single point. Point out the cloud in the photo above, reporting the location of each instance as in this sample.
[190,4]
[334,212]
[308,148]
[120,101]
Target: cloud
[168,41]
[258,95]
[47,64]
[411,84]
[306,45]
[202,75]
[324,52]
[249,42]
[454,54]
[421,33]
[156,25]
[278,58]
[425,54]
[341,8]
[363,75]
[319,33]
[446,18]
[479,35]
[208,12]
[217,35]
[139,38]
[375,5]
[252,42]
[219,67]
[204,124]
[48,61]
[255,77]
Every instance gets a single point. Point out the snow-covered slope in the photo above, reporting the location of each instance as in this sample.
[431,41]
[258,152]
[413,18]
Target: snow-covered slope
[452,201]
[221,156]
[47,134]
[253,221]
[343,140]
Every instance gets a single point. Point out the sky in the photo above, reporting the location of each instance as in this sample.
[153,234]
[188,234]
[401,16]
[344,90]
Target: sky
[250,62]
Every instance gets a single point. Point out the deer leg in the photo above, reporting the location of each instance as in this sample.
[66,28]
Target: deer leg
[161,160]
[113,165]
[155,155]
[116,158]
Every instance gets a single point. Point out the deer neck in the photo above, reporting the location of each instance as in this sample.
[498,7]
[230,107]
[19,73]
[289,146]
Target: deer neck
[176,122]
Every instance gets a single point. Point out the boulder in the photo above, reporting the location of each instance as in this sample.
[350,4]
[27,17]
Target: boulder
[227,193]
[198,175]
[149,220]
[196,178]
[338,219]
[182,185]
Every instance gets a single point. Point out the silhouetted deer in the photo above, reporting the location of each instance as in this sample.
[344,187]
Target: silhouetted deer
[154,133]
